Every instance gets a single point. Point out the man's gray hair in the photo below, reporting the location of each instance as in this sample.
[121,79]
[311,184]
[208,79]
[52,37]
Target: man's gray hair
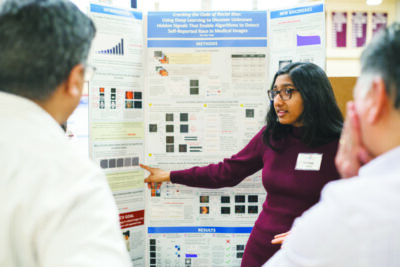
[382,57]
[40,42]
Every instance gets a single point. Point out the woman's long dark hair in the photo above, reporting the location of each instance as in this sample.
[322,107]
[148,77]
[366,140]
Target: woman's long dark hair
[321,117]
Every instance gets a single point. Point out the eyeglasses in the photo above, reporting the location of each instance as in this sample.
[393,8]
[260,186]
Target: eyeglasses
[285,94]
[89,72]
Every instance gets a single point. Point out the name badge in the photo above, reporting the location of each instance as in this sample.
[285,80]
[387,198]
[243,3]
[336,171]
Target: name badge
[308,162]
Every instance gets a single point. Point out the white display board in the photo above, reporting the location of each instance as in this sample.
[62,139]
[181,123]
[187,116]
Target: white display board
[117,116]
[181,89]
[206,97]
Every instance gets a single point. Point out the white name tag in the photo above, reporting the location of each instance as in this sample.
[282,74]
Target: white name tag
[308,162]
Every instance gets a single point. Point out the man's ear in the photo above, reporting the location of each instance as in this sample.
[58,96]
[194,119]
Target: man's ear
[379,100]
[75,81]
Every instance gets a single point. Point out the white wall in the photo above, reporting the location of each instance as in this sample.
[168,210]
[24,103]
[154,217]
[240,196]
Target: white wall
[397,10]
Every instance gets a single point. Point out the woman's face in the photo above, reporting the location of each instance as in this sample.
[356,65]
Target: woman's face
[288,111]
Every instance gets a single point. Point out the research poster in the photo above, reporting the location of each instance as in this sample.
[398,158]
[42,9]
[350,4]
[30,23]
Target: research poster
[116,114]
[180,89]
[297,34]
[206,97]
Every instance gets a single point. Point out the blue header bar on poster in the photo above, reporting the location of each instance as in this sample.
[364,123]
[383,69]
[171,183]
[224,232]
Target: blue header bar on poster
[115,11]
[297,11]
[203,24]
[200,230]
[207,43]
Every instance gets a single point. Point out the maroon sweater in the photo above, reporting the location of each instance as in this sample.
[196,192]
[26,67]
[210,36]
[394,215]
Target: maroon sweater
[289,192]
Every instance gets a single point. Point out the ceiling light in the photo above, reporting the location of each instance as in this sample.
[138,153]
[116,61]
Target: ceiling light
[374,2]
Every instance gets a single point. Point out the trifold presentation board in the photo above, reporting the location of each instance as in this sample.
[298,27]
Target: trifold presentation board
[181,89]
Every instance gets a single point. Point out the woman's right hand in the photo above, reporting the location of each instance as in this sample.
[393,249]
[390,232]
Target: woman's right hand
[156,175]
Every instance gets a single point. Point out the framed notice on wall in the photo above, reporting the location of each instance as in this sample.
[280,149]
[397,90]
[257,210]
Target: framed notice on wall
[339,29]
[379,21]
[359,28]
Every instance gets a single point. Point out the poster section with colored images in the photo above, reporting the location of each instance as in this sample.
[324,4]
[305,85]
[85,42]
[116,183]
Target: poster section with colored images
[206,97]
[297,34]
[116,114]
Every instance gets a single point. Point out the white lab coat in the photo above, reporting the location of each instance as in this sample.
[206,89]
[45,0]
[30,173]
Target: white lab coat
[56,208]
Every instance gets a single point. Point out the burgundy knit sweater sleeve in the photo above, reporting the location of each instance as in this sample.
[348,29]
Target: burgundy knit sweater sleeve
[229,172]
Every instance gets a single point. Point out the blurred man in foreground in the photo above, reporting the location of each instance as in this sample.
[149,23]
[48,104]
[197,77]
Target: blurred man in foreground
[356,222]
[56,207]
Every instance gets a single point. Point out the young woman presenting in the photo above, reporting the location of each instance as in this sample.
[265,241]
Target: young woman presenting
[295,150]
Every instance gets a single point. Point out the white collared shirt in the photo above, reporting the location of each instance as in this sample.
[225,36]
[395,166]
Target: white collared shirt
[56,208]
[355,224]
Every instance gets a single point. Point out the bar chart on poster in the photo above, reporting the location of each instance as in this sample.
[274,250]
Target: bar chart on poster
[303,40]
[118,49]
